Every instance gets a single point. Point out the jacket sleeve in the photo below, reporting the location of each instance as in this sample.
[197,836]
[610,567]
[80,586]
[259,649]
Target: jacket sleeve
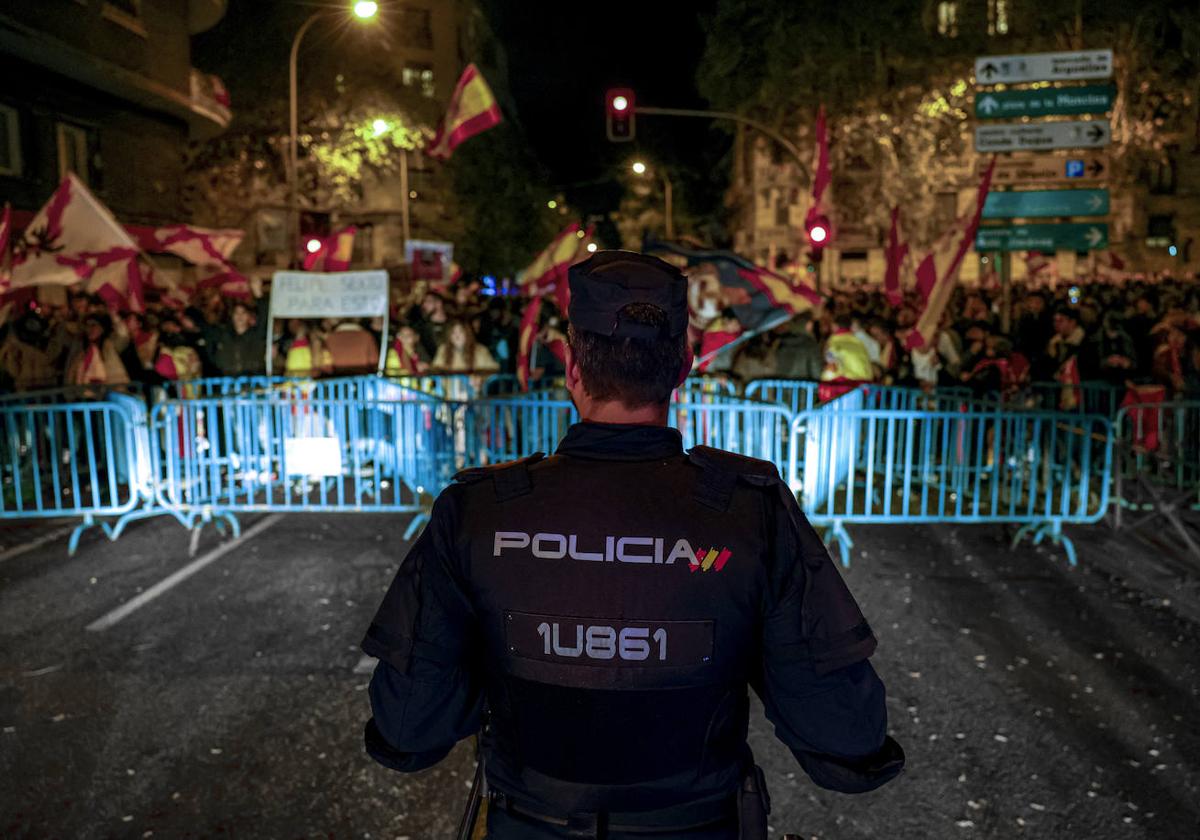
[425,693]
[818,689]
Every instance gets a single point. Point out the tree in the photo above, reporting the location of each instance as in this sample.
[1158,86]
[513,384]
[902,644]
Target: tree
[898,91]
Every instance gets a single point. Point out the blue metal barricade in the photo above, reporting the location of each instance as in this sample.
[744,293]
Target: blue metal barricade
[216,458]
[795,394]
[1084,398]
[71,460]
[898,466]
[1157,471]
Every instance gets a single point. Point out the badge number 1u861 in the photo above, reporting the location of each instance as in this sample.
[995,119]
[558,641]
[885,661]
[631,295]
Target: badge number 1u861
[607,642]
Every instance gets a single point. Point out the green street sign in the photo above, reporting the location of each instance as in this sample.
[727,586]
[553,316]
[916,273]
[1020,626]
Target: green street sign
[1040,203]
[1065,237]
[1044,102]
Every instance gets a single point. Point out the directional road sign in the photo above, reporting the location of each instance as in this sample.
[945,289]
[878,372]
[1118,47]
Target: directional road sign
[1090,134]
[1090,99]
[1084,167]
[1044,67]
[1040,203]
[1065,237]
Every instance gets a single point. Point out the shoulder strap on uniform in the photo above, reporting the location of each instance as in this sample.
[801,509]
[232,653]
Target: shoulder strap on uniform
[509,480]
[715,487]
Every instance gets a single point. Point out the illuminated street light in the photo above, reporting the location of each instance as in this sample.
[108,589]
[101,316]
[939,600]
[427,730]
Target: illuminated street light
[552,204]
[640,168]
[379,127]
[312,246]
[364,10]
[591,247]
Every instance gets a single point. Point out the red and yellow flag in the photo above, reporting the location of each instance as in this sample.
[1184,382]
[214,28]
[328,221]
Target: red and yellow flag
[548,271]
[472,110]
[335,252]
[939,270]
[528,334]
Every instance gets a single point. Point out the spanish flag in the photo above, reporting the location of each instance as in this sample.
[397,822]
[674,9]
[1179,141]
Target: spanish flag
[472,110]
[335,252]
[528,335]
[548,271]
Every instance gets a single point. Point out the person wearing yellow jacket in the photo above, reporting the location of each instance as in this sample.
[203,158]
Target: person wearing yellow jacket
[846,357]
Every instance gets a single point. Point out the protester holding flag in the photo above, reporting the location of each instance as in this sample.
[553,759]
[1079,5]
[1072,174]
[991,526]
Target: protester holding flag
[95,358]
[404,356]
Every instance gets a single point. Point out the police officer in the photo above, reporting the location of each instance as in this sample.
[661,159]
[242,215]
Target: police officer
[611,604]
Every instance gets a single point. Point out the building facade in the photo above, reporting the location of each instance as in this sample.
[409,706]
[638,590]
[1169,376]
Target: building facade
[105,89]
[1153,179]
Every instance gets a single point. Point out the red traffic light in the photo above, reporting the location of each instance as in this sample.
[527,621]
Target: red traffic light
[818,230]
[619,113]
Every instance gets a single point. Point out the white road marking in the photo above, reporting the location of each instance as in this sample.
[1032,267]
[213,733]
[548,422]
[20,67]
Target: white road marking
[37,542]
[136,603]
[366,665]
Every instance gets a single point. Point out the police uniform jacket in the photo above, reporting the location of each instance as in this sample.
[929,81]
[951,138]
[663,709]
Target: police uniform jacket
[610,605]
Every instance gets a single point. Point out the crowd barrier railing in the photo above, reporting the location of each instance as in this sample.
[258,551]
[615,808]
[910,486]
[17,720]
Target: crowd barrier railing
[216,458]
[795,394]
[76,459]
[1083,398]
[1157,472]
[876,466]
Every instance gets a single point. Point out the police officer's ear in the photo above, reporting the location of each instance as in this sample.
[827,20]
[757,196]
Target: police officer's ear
[572,369]
[689,359]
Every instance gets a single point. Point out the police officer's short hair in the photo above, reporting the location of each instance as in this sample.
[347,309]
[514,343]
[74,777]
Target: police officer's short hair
[634,371]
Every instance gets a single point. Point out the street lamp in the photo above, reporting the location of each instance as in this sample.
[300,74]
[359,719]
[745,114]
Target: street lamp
[363,10]
[640,168]
[366,9]
[379,127]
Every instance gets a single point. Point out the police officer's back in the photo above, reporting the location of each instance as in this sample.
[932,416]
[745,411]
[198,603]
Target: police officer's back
[610,605]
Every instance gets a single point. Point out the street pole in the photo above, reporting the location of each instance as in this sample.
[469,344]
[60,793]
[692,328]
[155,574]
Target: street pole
[727,115]
[667,196]
[1004,258]
[293,131]
[404,195]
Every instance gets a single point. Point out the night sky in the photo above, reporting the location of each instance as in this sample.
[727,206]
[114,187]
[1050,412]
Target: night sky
[562,57]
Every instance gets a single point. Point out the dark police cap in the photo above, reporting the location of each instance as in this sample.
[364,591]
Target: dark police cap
[607,281]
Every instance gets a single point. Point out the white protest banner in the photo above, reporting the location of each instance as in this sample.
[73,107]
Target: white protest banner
[343,294]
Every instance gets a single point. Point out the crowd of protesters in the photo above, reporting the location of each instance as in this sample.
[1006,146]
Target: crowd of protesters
[86,342]
[1128,334]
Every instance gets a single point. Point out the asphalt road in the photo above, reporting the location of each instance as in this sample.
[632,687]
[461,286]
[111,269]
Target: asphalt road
[1033,700]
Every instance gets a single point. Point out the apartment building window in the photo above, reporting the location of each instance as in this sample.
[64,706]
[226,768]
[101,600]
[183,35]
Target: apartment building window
[73,151]
[419,76]
[415,28]
[947,19]
[1162,173]
[998,17]
[1160,232]
[10,141]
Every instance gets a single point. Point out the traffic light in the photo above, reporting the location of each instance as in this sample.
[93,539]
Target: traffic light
[818,230]
[619,113]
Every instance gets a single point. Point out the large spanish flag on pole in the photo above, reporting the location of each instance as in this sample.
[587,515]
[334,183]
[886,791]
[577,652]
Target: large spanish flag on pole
[472,110]
[548,270]
[941,267]
[527,336]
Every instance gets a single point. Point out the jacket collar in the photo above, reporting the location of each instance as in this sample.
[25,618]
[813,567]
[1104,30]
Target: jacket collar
[621,442]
